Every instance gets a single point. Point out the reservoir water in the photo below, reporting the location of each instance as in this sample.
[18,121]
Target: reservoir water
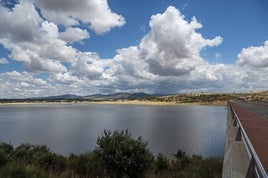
[67,128]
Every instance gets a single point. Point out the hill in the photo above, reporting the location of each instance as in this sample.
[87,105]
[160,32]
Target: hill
[212,98]
[142,98]
[66,96]
[118,96]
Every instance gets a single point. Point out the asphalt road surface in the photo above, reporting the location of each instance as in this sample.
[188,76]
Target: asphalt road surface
[259,109]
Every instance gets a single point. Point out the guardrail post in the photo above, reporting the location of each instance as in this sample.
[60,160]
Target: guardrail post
[232,115]
[238,134]
[235,122]
[251,169]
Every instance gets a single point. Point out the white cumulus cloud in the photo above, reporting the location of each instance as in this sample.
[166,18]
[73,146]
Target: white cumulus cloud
[254,56]
[71,35]
[172,47]
[167,59]
[21,85]
[95,13]
[32,41]
[86,65]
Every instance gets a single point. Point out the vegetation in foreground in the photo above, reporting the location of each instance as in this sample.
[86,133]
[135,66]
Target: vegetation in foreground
[116,155]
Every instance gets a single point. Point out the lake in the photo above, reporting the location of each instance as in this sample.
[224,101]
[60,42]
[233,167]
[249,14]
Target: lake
[67,128]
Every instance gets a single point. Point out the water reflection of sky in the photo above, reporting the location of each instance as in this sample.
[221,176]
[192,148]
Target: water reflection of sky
[75,128]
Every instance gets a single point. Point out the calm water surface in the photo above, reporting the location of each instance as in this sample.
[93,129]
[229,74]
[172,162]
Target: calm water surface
[74,128]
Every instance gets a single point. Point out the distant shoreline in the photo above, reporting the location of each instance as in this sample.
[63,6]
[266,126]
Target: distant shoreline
[211,99]
[118,102]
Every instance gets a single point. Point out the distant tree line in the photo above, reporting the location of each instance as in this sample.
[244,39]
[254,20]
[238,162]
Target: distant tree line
[116,155]
[204,98]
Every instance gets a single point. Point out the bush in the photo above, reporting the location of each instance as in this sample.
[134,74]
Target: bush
[23,154]
[77,163]
[117,154]
[39,156]
[122,156]
[161,164]
[6,148]
[182,160]
[3,159]
[12,170]
[51,162]
[6,151]
[199,168]
[86,164]
[212,167]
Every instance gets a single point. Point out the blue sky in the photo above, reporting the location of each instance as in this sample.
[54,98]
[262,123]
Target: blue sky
[165,46]
[241,23]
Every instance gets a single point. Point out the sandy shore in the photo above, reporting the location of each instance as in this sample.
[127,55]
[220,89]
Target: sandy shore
[118,102]
[122,102]
[134,102]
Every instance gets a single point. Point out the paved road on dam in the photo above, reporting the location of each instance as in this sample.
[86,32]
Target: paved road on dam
[254,119]
[260,109]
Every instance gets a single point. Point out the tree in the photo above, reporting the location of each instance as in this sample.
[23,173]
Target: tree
[121,155]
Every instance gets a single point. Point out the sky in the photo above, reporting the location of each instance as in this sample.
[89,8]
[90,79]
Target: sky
[85,47]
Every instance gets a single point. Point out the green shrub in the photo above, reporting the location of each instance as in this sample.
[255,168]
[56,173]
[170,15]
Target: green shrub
[161,164]
[39,156]
[203,168]
[211,167]
[3,159]
[181,161]
[23,154]
[86,164]
[117,154]
[6,148]
[6,151]
[122,156]
[77,164]
[14,170]
[51,162]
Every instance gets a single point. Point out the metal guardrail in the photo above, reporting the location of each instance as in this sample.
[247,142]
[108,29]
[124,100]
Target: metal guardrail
[260,169]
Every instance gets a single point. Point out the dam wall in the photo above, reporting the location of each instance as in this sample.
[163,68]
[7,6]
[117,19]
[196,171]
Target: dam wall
[236,161]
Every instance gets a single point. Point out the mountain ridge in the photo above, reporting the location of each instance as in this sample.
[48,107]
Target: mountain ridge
[114,96]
